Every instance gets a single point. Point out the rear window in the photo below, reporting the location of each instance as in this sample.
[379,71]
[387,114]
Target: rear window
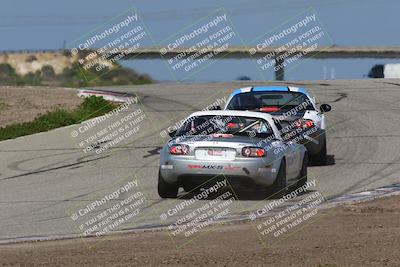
[257,100]
[235,125]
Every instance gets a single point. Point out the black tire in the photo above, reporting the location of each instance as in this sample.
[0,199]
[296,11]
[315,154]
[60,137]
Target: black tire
[321,157]
[279,188]
[165,189]
[188,188]
[303,173]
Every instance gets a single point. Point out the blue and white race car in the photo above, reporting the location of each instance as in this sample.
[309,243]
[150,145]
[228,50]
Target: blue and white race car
[294,108]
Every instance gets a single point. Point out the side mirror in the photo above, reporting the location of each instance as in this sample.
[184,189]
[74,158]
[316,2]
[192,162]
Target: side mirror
[325,108]
[172,134]
[215,108]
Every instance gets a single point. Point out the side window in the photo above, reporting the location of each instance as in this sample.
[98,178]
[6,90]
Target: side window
[284,130]
[233,103]
[184,128]
[311,105]
[278,125]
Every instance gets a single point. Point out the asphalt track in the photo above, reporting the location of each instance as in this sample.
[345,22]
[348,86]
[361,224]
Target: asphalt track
[46,177]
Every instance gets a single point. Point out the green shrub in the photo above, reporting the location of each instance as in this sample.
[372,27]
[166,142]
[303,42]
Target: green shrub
[91,107]
[74,76]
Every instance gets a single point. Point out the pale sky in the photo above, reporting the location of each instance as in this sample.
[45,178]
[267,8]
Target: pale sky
[46,24]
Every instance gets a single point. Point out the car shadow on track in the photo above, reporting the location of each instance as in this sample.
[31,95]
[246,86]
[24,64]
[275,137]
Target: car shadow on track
[242,194]
[330,160]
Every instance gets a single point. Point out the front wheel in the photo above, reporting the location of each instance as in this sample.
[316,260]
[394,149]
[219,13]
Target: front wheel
[165,189]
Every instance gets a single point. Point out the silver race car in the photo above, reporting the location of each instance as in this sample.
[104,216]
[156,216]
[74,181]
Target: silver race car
[244,147]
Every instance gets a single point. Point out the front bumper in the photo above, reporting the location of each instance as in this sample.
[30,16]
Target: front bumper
[249,171]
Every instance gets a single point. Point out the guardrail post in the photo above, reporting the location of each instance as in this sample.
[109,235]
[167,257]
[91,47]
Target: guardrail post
[279,69]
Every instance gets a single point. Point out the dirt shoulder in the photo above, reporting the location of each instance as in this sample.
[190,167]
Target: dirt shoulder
[364,234]
[23,104]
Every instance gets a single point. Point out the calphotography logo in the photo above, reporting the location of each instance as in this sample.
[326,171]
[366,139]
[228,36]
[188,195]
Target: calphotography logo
[110,212]
[99,51]
[199,210]
[303,36]
[122,124]
[279,218]
[195,47]
[216,104]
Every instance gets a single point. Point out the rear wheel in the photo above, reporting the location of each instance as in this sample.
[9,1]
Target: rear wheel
[188,187]
[321,157]
[279,188]
[165,189]
[303,173]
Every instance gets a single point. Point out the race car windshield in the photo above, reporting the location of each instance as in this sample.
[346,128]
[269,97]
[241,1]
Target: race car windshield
[278,100]
[231,125]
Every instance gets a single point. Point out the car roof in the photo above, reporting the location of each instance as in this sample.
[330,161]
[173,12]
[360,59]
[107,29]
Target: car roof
[243,113]
[269,89]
